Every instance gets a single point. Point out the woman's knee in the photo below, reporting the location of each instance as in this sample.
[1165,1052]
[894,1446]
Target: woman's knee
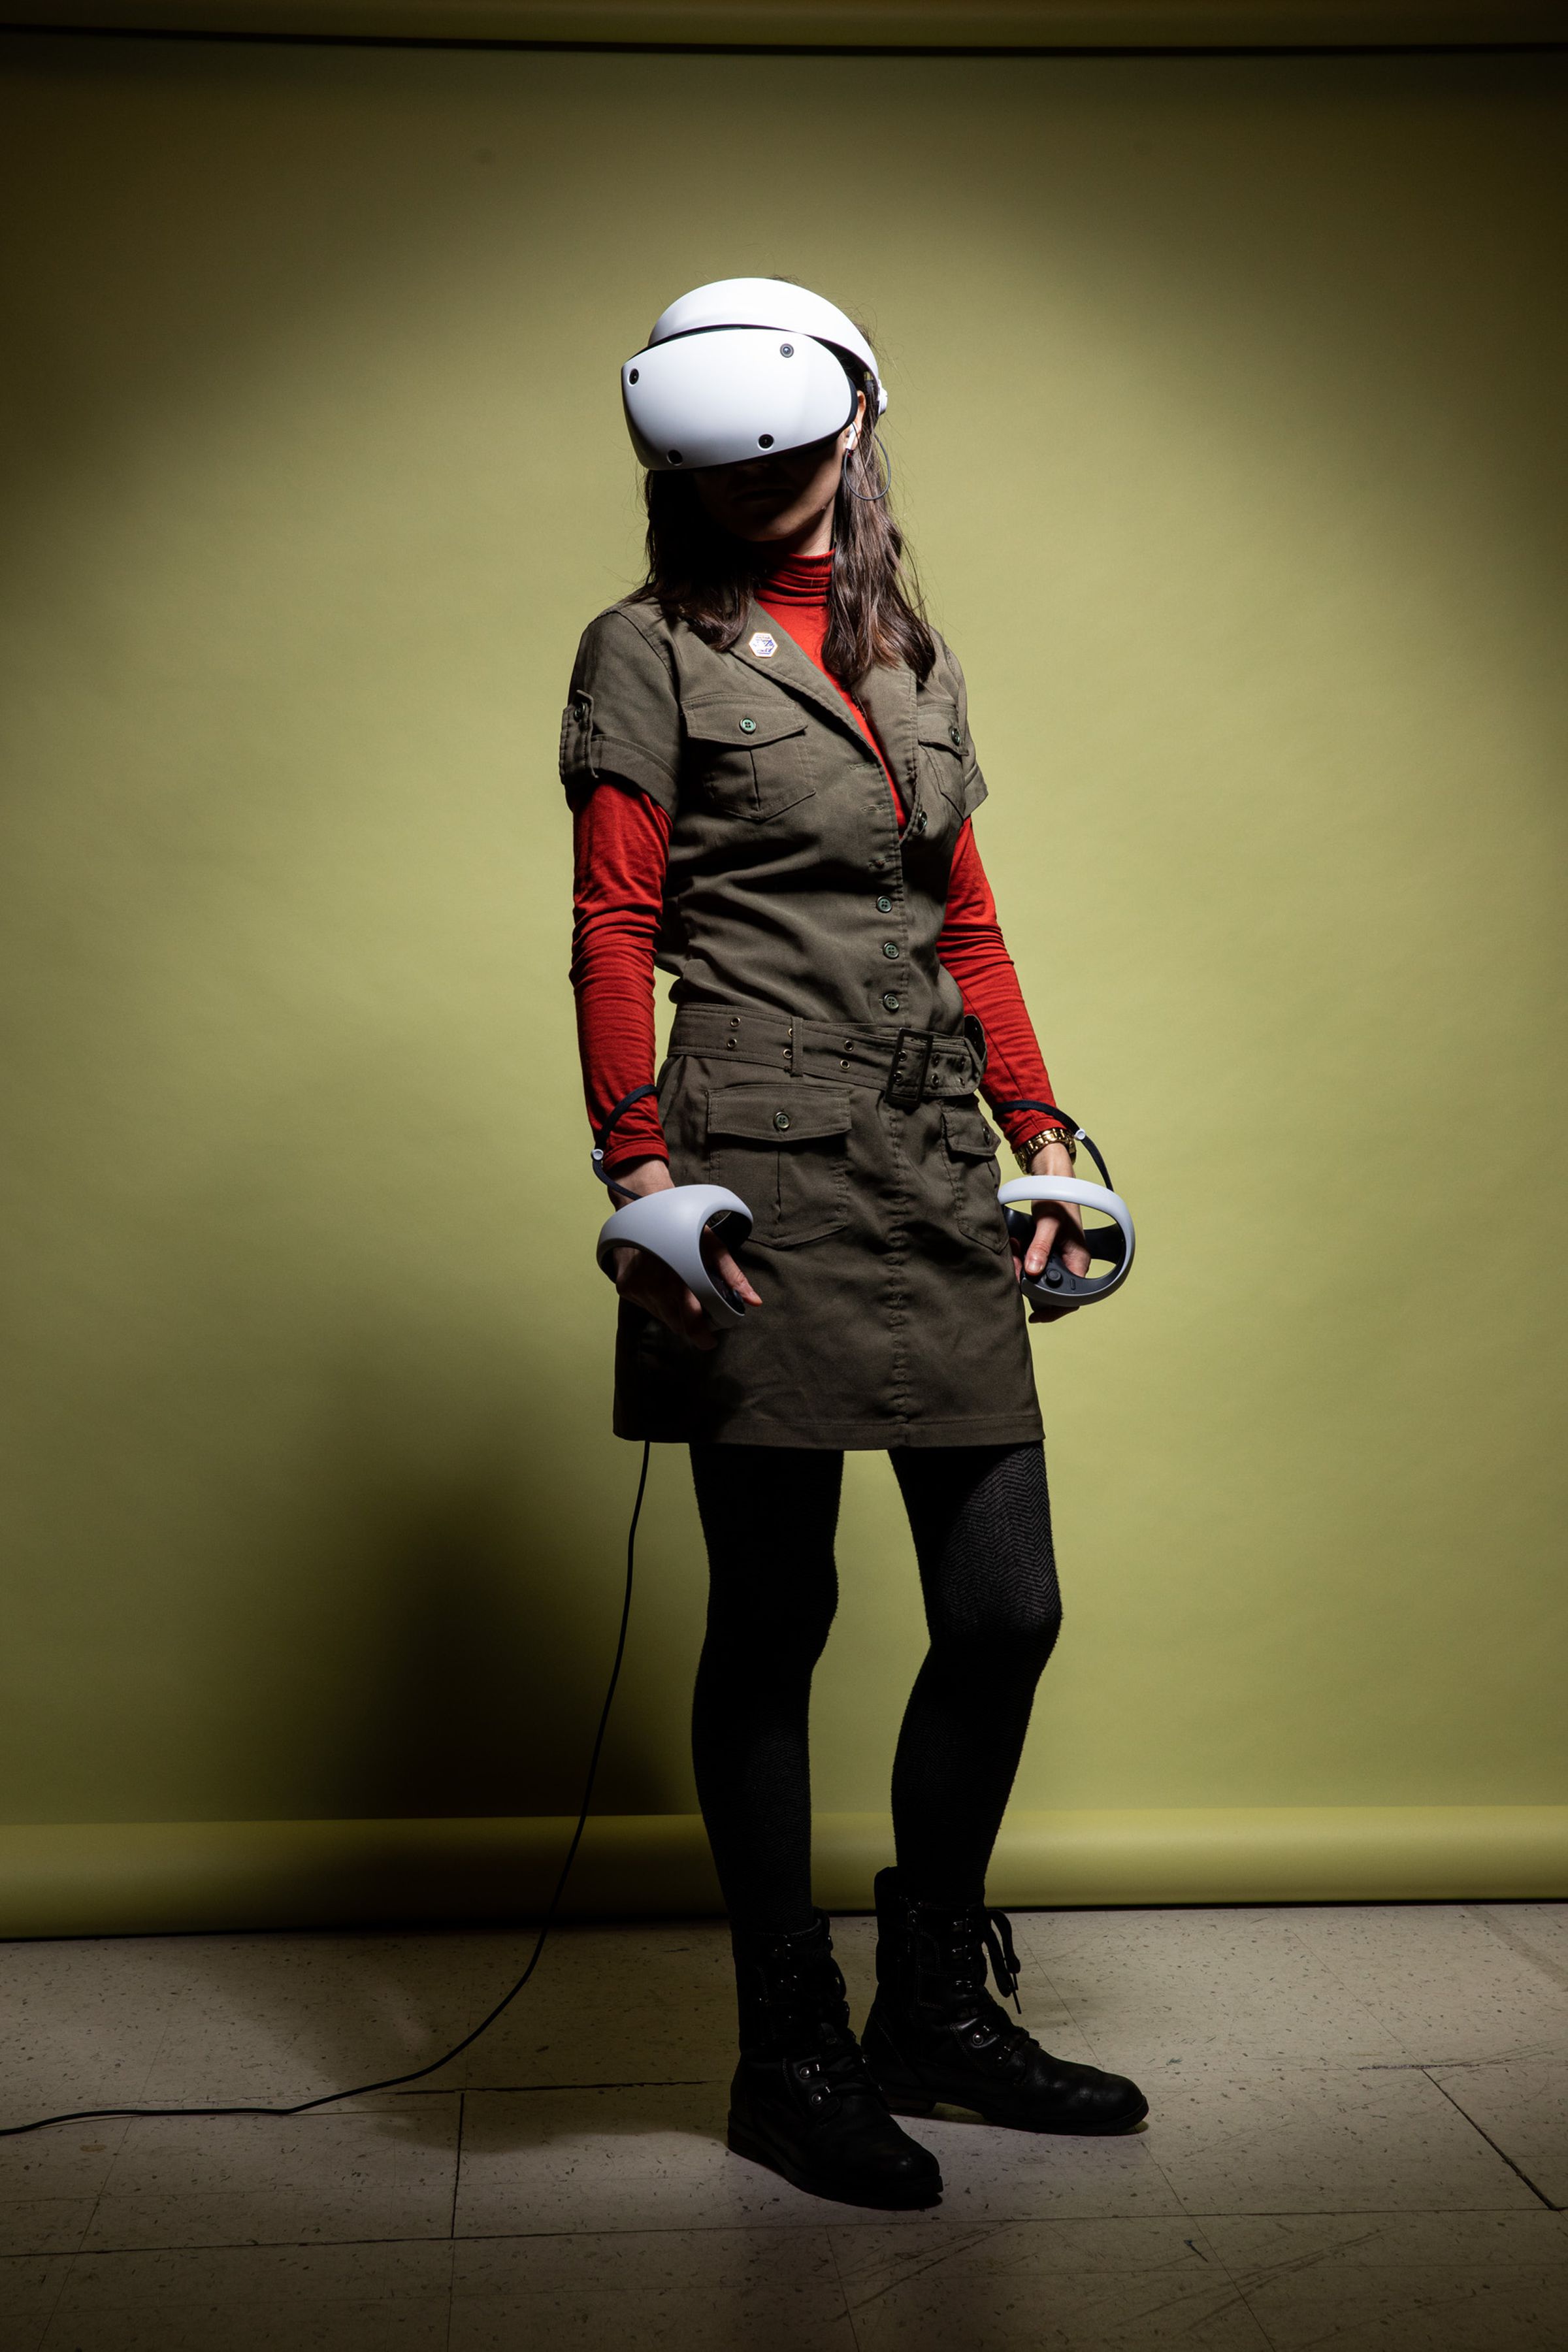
[1012,1614]
[769,1639]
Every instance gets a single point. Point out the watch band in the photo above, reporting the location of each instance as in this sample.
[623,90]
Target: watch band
[1023,1152]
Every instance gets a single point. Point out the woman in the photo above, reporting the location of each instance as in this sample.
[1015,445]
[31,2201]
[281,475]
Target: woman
[767,752]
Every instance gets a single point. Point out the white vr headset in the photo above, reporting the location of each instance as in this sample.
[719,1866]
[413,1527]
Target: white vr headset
[747,367]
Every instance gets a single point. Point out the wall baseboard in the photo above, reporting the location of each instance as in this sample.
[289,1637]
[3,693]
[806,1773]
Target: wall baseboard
[124,1878]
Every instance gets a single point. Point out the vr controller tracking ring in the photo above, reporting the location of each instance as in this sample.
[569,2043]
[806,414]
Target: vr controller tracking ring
[1057,1286]
[670,1226]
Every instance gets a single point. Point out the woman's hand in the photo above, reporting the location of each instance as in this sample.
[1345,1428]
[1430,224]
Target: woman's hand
[1052,1218]
[648,1283]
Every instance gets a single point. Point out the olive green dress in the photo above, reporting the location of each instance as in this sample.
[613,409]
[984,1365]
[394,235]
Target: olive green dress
[821,1064]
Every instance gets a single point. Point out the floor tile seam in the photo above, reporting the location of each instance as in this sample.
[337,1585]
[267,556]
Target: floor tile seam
[1235,2298]
[259,2246]
[1290,2266]
[533,2090]
[457,2167]
[154,2062]
[640,2229]
[1348,2068]
[95,2202]
[1381,2030]
[705,2229]
[843,2289]
[1238,2285]
[1517,1944]
[1386,2029]
[451,2294]
[1532,2053]
[1500,2151]
[1357,2213]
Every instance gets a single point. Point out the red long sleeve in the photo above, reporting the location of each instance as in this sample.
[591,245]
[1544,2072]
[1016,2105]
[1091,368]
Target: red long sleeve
[972,948]
[621,840]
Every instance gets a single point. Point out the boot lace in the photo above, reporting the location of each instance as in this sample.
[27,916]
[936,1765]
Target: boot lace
[952,1949]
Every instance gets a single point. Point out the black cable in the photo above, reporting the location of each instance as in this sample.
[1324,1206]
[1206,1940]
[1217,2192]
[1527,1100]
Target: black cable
[1024,1103]
[417,2074]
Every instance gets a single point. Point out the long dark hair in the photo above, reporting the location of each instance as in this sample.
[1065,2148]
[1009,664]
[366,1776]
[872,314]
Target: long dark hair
[700,573]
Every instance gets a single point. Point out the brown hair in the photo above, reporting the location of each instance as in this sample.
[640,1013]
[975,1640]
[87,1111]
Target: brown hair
[698,573]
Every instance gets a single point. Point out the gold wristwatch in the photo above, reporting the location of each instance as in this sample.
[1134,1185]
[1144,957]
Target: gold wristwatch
[1023,1152]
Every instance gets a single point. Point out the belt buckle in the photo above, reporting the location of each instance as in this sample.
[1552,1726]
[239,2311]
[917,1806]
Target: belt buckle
[905,1089]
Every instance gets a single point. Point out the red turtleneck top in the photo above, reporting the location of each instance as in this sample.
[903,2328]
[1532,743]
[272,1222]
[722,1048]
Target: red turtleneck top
[621,840]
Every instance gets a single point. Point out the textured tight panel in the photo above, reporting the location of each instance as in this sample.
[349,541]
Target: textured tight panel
[980,1516]
[769,1514]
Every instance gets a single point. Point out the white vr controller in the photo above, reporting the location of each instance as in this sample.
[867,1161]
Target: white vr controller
[1057,1286]
[670,1226]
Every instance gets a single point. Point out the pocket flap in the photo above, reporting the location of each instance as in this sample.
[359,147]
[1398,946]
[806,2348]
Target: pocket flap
[936,722]
[743,724]
[968,1135]
[783,1114]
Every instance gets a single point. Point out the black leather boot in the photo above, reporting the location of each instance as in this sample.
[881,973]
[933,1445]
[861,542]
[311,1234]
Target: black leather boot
[802,2101]
[934,2032]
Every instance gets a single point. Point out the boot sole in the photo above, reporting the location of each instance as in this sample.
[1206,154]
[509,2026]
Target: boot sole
[914,2103]
[896,2198]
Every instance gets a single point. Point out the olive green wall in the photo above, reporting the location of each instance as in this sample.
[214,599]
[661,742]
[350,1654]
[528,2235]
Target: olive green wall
[1226,416]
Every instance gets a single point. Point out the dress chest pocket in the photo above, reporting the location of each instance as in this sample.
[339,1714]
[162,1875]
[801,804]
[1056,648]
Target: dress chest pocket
[942,749]
[749,756]
[784,1149]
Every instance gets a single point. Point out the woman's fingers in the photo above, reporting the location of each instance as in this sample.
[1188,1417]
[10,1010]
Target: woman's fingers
[1050,1222]
[728,1272]
[1041,1243]
[651,1284]
[1057,1227]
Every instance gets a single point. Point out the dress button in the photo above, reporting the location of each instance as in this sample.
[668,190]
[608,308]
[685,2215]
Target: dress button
[781,1119]
[748,725]
[889,950]
[956,735]
[884,905]
[891,1001]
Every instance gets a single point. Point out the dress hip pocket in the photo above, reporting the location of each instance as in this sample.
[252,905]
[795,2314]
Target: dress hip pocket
[784,1149]
[970,1148]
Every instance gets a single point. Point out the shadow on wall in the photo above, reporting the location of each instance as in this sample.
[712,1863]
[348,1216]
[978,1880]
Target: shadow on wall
[482,1653]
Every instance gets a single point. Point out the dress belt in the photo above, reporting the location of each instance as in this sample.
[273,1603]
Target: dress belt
[906,1065]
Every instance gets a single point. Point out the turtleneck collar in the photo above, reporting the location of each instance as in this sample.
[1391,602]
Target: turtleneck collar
[797,580]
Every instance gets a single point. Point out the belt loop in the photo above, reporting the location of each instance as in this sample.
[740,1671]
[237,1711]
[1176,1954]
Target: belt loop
[905,1089]
[975,1034]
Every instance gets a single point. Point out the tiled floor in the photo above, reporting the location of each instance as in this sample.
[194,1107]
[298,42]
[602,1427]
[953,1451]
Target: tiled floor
[1359,2135]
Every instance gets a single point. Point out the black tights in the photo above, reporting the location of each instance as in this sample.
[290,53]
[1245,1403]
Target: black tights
[980,1516]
